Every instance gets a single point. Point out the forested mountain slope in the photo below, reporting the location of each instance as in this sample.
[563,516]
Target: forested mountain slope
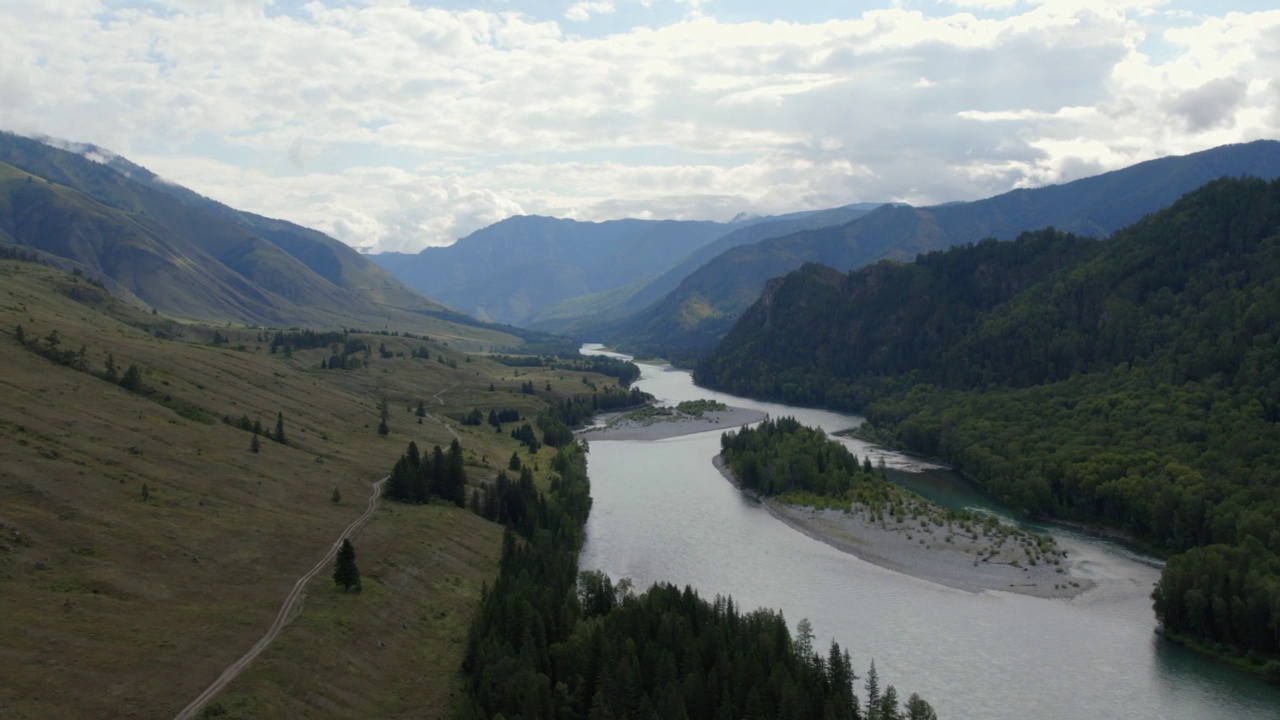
[1133,382]
[698,312]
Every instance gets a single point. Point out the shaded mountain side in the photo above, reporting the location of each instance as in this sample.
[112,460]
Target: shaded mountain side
[585,314]
[514,269]
[264,270]
[703,307]
[136,251]
[190,256]
[1132,382]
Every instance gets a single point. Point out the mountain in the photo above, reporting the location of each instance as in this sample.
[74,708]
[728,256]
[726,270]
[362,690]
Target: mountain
[514,269]
[582,315]
[190,256]
[704,306]
[145,545]
[1132,382]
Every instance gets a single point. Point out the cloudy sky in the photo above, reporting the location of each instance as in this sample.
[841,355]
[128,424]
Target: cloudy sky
[396,124]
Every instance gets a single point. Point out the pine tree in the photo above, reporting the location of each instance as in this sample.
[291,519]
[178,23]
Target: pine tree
[345,572]
[280,429]
[146,492]
[889,705]
[514,463]
[873,693]
[21,335]
[383,428]
[112,374]
[455,475]
[255,446]
[336,497]
[918,709]
[132,380]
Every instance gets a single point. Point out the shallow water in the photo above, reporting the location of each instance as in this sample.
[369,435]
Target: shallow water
[661,512]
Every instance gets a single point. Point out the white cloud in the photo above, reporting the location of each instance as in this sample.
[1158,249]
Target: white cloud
[584,10]
[394,126]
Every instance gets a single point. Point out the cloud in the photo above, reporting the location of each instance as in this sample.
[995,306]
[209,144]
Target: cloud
[1211,105]
[581,11]
[395,126]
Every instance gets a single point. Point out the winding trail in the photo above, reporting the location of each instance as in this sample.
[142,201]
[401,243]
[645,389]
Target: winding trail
[440,401]
[284,616]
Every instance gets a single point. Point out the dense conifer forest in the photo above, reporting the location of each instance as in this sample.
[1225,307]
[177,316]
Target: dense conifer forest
[1132,383]
[549,642]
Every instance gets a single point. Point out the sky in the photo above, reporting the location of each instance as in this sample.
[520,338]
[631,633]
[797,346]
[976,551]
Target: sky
[397,124]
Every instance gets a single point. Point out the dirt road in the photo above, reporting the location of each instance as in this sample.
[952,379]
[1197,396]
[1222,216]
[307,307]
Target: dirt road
[283,617]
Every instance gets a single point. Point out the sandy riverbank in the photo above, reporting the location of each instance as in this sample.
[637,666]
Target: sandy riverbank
[925,552]
[619,426]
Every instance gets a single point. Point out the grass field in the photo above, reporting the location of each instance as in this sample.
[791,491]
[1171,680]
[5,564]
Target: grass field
[116,605]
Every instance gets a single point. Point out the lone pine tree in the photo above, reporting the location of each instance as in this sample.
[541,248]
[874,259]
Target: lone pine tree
[383,428]
[345,572]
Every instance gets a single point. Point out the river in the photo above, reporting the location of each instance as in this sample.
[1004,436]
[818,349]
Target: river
[661,512]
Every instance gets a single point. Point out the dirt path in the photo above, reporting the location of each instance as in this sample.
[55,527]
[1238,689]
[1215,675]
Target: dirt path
[440,401]
[284,616]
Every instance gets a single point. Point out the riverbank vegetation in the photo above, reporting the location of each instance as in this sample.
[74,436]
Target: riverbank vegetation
[549,642]
[800,465]
[1132,383]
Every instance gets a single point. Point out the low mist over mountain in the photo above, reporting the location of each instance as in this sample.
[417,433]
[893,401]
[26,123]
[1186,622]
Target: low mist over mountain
[704,306]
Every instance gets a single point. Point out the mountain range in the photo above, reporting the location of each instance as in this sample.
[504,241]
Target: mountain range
[548,273]
[705,304]
[186,255]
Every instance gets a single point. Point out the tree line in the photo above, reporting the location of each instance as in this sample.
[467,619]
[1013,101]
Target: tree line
[550,642]
[625,371]
[416,478]
[1132,382]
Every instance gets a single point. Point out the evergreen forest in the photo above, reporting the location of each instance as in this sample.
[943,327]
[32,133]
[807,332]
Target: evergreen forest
[550,642]
[1131,383]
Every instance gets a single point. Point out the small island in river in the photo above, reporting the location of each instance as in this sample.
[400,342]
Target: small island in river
[817,487]
[655,422]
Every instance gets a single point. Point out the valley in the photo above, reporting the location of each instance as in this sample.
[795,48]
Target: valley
[146,546]
[199,401]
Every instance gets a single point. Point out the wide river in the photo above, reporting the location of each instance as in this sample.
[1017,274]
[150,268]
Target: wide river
[661,512]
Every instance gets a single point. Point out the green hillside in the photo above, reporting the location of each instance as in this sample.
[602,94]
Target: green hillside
[145,545]
[1132,382]
[690,319]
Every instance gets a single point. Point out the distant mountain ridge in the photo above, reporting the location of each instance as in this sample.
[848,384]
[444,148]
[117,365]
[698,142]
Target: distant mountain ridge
[552,274]
[186,254]
[706,303]
[609,305]
[516,268]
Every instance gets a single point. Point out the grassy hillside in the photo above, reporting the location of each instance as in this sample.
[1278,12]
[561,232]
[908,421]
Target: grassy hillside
[115,602]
